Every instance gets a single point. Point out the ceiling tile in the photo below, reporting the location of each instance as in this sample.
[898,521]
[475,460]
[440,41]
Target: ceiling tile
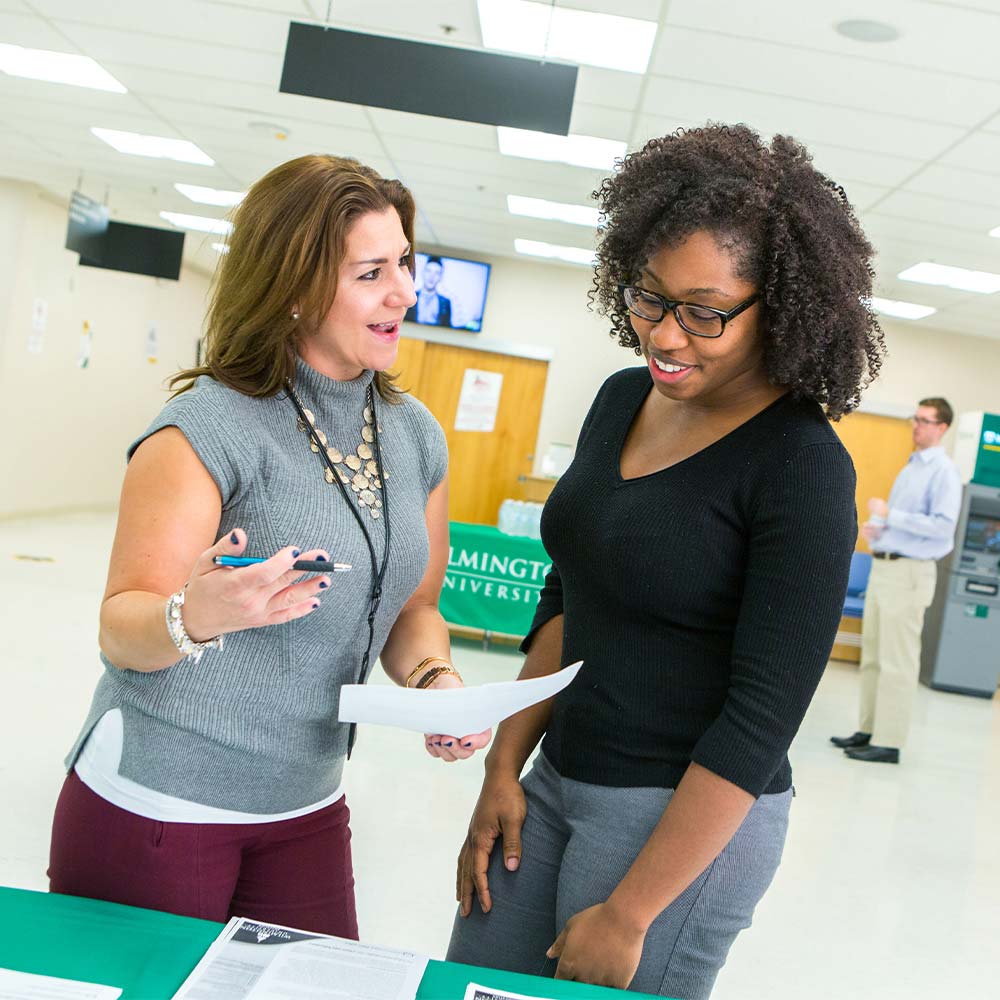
[809,121]
[842,80]
[948,38]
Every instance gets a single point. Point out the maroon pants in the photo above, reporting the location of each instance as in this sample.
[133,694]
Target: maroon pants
[295,872]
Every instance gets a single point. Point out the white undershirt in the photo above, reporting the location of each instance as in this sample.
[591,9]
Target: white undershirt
[97,767]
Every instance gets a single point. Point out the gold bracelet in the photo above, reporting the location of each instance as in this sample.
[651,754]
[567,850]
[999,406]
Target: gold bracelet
[433,674]
[420,666]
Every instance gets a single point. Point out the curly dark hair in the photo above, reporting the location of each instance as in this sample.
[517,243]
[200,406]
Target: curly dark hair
[793,234]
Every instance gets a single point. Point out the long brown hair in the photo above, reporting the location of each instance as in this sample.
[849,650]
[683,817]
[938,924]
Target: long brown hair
[288,239]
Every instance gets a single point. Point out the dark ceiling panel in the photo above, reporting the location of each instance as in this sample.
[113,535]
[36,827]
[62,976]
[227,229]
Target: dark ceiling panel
[440,80]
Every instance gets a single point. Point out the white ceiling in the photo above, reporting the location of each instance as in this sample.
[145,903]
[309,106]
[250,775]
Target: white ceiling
[910,128]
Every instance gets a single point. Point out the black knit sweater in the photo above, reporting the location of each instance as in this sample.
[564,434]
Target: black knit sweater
[703,599]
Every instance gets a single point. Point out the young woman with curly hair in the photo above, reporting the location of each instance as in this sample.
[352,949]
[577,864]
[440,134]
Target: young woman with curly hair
[701,542]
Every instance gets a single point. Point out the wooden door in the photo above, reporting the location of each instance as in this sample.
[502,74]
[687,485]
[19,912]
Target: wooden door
[483,466]
[879,447]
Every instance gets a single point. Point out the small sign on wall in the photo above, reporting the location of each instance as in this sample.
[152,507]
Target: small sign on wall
[86,344]
[152,344]
[479,401]
[39,320]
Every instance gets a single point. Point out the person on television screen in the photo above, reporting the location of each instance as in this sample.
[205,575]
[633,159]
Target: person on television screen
[431,308]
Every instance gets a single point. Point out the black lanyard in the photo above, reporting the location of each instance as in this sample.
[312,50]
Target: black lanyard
[378,572]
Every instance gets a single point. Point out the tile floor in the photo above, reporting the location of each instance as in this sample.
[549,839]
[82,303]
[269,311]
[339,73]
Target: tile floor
[890,886]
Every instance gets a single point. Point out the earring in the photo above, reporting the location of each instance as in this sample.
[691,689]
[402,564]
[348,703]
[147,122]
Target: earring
[295,314]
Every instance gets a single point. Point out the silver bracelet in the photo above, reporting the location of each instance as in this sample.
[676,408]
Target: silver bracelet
[175,626]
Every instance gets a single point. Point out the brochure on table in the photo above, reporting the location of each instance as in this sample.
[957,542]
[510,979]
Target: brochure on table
[259,961]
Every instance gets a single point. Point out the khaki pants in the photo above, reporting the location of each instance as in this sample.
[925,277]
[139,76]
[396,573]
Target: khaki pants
[899,591]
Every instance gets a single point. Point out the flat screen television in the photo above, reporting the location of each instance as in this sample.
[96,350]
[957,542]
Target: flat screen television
[451,292]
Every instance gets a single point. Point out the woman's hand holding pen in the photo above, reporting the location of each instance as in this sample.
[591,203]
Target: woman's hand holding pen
[220,600]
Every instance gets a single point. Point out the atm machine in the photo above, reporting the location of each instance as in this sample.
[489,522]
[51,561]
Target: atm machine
[961,643]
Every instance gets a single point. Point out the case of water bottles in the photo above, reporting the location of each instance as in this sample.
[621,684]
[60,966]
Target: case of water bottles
[520,517]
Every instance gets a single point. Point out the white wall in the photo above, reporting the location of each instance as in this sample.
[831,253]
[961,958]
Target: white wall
[542,304]
[65,429]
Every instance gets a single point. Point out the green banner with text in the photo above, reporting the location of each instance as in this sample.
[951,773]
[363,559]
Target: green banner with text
[493,579]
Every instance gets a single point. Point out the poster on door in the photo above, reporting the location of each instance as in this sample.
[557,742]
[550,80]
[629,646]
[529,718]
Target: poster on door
[479,401]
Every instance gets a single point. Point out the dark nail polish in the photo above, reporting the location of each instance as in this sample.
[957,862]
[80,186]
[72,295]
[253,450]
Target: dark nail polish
[315,606]
[234,538]
[448,744]
[295,553]
[323,585]
[467,745]
[321,558]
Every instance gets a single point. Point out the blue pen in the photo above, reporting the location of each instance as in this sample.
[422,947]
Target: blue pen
[306,565]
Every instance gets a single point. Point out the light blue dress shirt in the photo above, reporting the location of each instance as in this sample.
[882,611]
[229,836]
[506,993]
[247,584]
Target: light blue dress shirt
[923,507]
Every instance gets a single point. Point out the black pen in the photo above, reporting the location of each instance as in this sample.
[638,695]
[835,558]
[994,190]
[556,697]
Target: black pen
[306,565]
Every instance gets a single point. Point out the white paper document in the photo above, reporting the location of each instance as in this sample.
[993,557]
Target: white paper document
[453,711]
[250,959]
[28,986]
[476,992]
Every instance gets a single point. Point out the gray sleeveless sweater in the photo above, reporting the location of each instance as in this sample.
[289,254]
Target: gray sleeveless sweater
[254,727]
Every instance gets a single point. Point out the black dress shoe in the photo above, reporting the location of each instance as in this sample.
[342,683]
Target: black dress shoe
[881,755]
[857,740]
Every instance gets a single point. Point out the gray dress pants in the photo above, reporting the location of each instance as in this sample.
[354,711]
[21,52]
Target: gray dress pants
[578,842]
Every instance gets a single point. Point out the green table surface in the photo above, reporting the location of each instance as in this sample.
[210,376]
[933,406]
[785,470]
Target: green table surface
[149,954]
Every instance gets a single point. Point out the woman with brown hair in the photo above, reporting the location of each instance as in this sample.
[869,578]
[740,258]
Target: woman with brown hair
[206,778]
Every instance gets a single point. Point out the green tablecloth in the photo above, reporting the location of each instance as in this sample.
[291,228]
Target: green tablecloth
[493,580]
[149,954]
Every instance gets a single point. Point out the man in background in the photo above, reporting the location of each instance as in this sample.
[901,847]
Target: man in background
[431,308]
[907,535]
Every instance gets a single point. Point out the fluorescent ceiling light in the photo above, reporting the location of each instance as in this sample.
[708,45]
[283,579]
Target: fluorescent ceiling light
[211,196]
[577,36]
[539,208]
[576,150]
[199,223]
[952,277]
[220,247]
[57,67]
[575,255]
[901,310]
[154,145]
[995,232]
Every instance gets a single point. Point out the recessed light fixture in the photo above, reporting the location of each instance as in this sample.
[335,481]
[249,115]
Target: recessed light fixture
[860,30]
[558,211]
[211,196]
[157,146]
[574,255]
[198,223]
[928,273]
[576,150]
[57,67]
[577,36]
[901,310]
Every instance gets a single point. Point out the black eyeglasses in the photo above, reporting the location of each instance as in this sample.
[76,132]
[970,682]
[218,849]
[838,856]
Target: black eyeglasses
[924,421]
[699,320]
